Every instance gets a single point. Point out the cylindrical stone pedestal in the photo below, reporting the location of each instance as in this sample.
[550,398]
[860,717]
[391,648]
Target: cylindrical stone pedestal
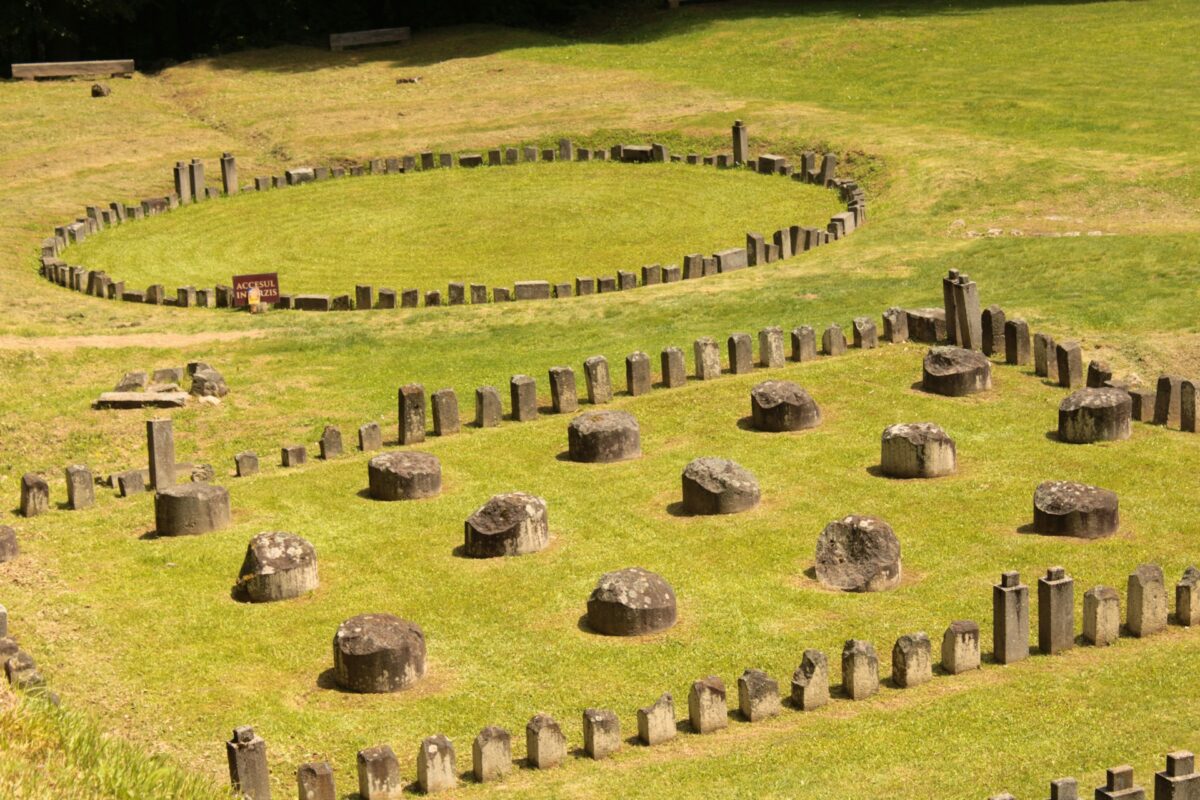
[1095,415]
[631,602]
[407,475]
[190,508]
[278,566]
[603,436]
[1064,508]
[955,372]
[507,525]
[374,653]
[917,450]
[782,406]
[718,486]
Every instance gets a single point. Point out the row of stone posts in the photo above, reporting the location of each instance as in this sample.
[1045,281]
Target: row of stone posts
[1179,781]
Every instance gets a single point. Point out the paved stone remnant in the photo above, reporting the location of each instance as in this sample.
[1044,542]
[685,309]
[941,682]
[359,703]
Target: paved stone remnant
[247,755]
[444,404]
[523,395]
[376,653]
[860,669]
[81,492]
[1101,616]
[411,400]
[926,325]
[804,343]
[160,442]
[866,335]
[656,723]
[758,695]
[599,382]
[1017,349]
[1179,781]
[1070,365]
[603,437]
[278,566]
[601,733]
[1167,400]
[315,781]
[436,767]
[917,450]
[545,744]
[993,330]
[9,549]
[1066,508]
[770,347]
[404,475]
[1187,598]
[1056,612]
[810,681]
[631,602]
[1010,619]
[370,437]
[895,326]
[707,711]
[858,553]
[208,382]
[563,396]
[491,754]
[1147,596]
[912,660]
[960,647]
[487,407]
[637,373]
[718,486]
[331,443]
[1095,415]
[379,774]
[782,406]
[1119,784]
[674,372]
[510,524]
[833,341]
[293,455]
[130,483]
[956,372]
[741,356]
[190,508]
[708,358]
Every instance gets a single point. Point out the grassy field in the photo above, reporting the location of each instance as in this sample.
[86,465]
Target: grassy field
[1033,120]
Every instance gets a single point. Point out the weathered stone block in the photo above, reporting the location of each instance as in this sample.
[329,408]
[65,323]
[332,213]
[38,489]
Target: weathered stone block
[404,475]
[810,681]
[278,566]
[833,341]
[718,486]
[444,403]
[377,653]
[860,669]
[782,406]
[411,401]
[758,695]
[1167,400]
[545,744]
[189,509]
[330,443]
[858,553]
[955,372]
[160,443]
[1095,415]
[637,373]
[511,524]
[293,455]
[708,358]
[487,407]
[992,322]
[1056,612]
[1187,598]
[1065,508]
[315,781]
[1147,597]
[912,660]
[917,450]
[81,492]
[674,372]
[563,397]
[247,755]
[601,733]
[1010,619]
[960,647]
[707,711]
[804,343]
[491,754]
[379,774]
[866,335]
[523,395]
[1101,616]
[370,437]
[603,437]
[1016,342]
[436,769]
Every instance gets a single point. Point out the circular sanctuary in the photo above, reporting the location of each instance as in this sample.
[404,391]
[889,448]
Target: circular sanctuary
[542,199]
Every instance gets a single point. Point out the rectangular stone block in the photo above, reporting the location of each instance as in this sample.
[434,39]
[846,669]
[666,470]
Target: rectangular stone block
[693,266]
[866,335]
[960,647]
[707,710]
[245,464]
[674,373]
[708,358]
[491,754]
[1147,598]
[741,355]
[1056,612]
[1179,781]
[606,284]
[992,324]
[562,290]
[545,744]
[912,661]
[637,373]
[379,774]
[651,275]
[772,252]
[1045,357]
[804,343]
[411,402]
[511,155]
[1167,400]
[501,295]
[363,297]
[563,396]
[444,403]
[1119,786]
[247,756]
[1187,598]
[410,298]
[1101,616]
[130,483]
[445,160]
[487,407]
[1010,619]
[758,696]
[456,293]
[671,274]
[1016,342]
[160,444]
[469,160]
[656,723]
[810,681]
[770,347]
[311,302]
[433,298]
[895,325]
[523,394]
[756,249]
[387,299]
[599,382]
[1070,365]
[479,293]
[626,280]
[860,669]
[833,341]
[601,733]
[293,455]
[585,286]
[315,782]
[730,260]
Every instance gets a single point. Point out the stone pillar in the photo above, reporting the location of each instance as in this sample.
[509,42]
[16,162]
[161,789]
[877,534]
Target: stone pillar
[741,355]
[487,407]
[601,733]
[741,143]
[1016,342]
[183,182]
[599,384]
[412,413]
[523,395]
[444,403]
[637,373]
[247,754]
[656,723]
[1010,619]
[707,710]
[1167,400]
[196,176]
[912,660]
[758,696]
[860,669]
[1056,612]
[370,437]
[3,622]
[1119,784]
[379,774]
[1064,789]
[1187,406]
[491,754]
[833,341]
[436,765]
[674,372]
[562,390]
[1070,365]
[804,343]
[810,681]
[229,173]
[895,326]
[1179,781]
[363,297]
[708,358]
[1101,616]
[1147,597]
[949,300]
[545,744]
[81,492]
[866,335]
[770,347]
[970,318]
[1187,598]
[992,330]
[828,169]
[960,647]
[160,442]
[315,781]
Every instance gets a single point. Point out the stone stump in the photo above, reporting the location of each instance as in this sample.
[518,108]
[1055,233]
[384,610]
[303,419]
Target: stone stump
[379,774]
[770,347]
[804,343]
[35,495]
[247,756]
[858,553]
[444,404]
[293,455]
[1065,508]
[758,695]
[331,443]
[960,647]
[603,437]
[708,358]
[1099,373]
[674,374]
[637,373]
[741,356]
[1056,612]
[782,406]
[545,744]
[245,464]
[866,335]
[487,407]
[315,781]
[631,602]
[278,566]
[491,754]
[190,508]
[436,770]
[833,341]
[656,723]
[810,681]
[707,711]
[1070,365]
[718,486]
[404,475]
[9,549]
[376,653]
[81,492]
[523,394]
[370,437]
[510,524]
[912,660]
[1187,597]
[598,379]
[956,372]
[563,396]
[917,450]
[1095,415]
[860,669]
[601,733]
[895,326]
[1101,616]
[926,325]
[1147,593]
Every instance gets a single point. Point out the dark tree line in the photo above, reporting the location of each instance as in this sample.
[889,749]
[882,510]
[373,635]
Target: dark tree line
[158,31]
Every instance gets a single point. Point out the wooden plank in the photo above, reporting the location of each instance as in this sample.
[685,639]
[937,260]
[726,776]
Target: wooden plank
[340,41]
[68,69]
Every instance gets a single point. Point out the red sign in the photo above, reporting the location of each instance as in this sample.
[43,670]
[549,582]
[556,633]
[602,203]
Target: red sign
[267,283]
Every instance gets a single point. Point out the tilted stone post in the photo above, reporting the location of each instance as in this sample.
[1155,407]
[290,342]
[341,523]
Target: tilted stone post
[1010,619]
[248,774]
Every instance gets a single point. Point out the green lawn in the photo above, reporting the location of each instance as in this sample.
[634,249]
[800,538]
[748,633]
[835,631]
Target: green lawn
[1046,122]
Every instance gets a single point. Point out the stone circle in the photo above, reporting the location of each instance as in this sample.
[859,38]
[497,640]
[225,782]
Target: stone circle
[955,372]
[598,437]
[917,450]
[631,602]
[404,475]
[190,508]
[512,524]
[1066,508]
[376,653]
[858,553]
[718,486]
[278,566]
[1095,415]
[782,406]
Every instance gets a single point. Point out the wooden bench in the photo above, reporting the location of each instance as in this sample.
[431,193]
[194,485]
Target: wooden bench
[340,41]
[71,69]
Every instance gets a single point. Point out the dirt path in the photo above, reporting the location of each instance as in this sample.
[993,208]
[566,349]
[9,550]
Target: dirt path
[165,340]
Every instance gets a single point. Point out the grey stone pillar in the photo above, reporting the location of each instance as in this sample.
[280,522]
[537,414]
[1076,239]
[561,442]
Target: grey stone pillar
[412,413]
[599,383]
[674,373]
[637,373]
[1070,365]
[523,394]
[1016,342]
[487,407]
[993,330]
[1179,781]
[1147,598]
[860,669]
[949,300]
[229,173]
[183,182]
[741,143]
[1119,784]
[196,175]
[160,442]
[1056,612]
[247,754]
[445,412]
[1010,619]
[315,782]
[563,396]
[81,492]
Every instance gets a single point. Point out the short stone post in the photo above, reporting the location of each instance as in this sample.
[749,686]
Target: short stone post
[810,681]
[487,407]
[1056,612]
[1070,365]
[912,660]
[183,182]
[599,383]
[960,647]
[708,358]
[833,341]
[1101,616]
[229,174]
[436,770]
[315,781]
[81,492]
[895,326]
[804,343]
[860,669]
[1187,406]
[656,723]
[522,391]
[993,322]
[563,396]
[247,754]
[491,754]
[363,297]
[1064,789]
[758,695]
[1147,598]
[411,400]
[637,373]
[196,175]
[1179,781]
[545,744]
[293,455]
[1016,342]
[444,404]
[1119,786]
[370,437]
[245,464]
[1045,358]
[379,774]
[770,347]
[331,443]
[1010,619]
[866,335]
[1187,598]
[741,356]
[1167,400]
[160,442]
[601,733]
[741,143]
[674,373]
[707,711]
